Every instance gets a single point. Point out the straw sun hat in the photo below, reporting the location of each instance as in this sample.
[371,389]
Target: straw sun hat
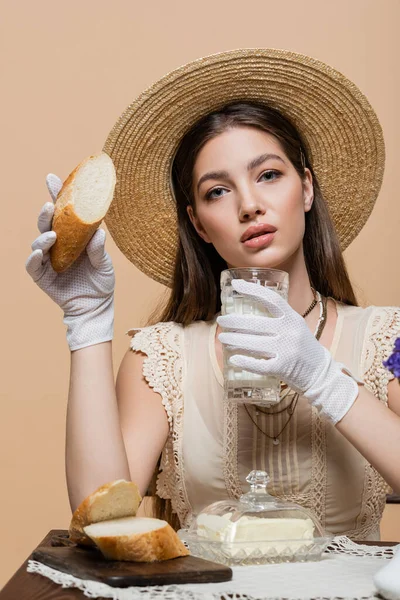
[341,133]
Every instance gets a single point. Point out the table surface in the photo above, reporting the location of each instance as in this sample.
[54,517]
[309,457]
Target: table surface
[31,586]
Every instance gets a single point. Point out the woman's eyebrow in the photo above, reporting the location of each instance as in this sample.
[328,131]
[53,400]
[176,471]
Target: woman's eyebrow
[256,162]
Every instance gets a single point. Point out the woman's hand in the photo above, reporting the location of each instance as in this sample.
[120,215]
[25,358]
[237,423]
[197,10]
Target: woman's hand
[85,291]
[284,346]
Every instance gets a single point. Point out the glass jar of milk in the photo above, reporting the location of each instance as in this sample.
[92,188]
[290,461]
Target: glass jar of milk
[239,385]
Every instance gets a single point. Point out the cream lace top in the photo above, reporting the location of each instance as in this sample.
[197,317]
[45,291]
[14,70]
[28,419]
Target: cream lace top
[213,444]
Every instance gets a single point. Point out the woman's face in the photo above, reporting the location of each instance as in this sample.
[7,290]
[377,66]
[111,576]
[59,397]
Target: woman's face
[241,178]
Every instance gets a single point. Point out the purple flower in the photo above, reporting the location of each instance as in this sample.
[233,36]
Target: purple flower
[393,362]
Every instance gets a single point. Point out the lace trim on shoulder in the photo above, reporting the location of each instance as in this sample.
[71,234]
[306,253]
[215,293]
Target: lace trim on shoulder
[162,369]
[382,329]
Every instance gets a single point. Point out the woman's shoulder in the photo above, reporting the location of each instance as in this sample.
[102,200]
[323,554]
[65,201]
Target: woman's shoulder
[159,326]
[157,335]
[373,314]
[382,327]
[165,333]
[373,329]
[162,326]
[383,324]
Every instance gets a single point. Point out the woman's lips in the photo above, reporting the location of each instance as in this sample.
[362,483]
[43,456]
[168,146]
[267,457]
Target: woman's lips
[260,241]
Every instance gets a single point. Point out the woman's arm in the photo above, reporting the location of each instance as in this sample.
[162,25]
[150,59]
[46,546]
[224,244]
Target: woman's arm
[143,418]
[374,430]
[111,433]
[95,452]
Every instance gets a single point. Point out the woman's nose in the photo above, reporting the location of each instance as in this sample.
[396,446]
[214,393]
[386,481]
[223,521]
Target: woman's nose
[250,208]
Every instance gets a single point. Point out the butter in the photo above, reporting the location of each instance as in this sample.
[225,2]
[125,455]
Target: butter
[263,534]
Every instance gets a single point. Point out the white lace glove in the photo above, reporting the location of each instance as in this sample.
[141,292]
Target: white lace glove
[284,346]
[85,291]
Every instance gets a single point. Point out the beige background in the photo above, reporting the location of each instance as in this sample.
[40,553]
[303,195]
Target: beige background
[67,71]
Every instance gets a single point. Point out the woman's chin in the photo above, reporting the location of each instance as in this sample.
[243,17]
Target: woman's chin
[259,260]
[256,265]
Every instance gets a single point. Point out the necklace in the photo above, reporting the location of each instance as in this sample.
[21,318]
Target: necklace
[290,408]
[313,303]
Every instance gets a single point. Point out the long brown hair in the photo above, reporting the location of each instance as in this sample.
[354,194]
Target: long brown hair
[195,293]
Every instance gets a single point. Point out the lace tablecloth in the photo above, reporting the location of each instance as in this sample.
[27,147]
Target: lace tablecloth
[345,571]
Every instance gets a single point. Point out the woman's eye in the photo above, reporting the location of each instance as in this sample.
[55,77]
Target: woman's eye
[218,192]
[270,175]
[215,191]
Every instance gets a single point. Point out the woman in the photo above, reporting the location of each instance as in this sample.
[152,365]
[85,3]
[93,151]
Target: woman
[243,138]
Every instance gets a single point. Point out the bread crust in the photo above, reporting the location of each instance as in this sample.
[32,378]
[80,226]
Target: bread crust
[83,515]
[72,238]
[156,545]
[73,234]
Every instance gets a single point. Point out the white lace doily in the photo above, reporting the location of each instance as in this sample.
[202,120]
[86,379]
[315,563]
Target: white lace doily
[340,574]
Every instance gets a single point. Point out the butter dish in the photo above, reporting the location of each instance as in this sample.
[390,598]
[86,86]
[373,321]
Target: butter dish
[256,529]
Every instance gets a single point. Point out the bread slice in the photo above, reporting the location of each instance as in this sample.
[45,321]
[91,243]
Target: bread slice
[81,205]
[113,500]
[138,539]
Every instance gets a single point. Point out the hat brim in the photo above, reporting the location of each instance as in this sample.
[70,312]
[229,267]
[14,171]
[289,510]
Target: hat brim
[341,132]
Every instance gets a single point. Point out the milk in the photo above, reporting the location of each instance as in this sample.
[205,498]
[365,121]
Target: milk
[240,385]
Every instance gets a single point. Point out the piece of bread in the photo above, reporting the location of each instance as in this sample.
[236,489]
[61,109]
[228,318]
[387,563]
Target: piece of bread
[113,500]
[81,205]
[138,539]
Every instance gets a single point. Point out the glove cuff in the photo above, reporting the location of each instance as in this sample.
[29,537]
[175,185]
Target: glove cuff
[91,328]
[335,391]
[107,338]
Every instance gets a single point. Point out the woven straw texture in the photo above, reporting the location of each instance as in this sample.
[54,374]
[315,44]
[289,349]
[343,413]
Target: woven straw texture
[341,132]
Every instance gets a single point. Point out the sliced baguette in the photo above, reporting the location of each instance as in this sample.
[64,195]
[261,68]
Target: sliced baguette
[138,539]
[113,500]
[81,205]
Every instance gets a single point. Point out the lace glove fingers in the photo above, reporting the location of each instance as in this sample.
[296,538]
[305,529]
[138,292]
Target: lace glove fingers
[253,324]
[255,365]
[54,185]
[98,257]
[38,264]
[268,367]
[34,265]
[267,297]
[264,346]
[44,242]
[45,217]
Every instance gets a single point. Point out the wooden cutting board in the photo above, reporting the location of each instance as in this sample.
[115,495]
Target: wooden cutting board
[88,563]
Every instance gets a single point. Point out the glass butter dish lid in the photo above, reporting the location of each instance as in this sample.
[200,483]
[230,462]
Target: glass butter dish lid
[256,529]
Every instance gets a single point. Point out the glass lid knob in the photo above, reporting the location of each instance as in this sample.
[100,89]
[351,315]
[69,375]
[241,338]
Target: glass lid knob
[258,495]
[258,481]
